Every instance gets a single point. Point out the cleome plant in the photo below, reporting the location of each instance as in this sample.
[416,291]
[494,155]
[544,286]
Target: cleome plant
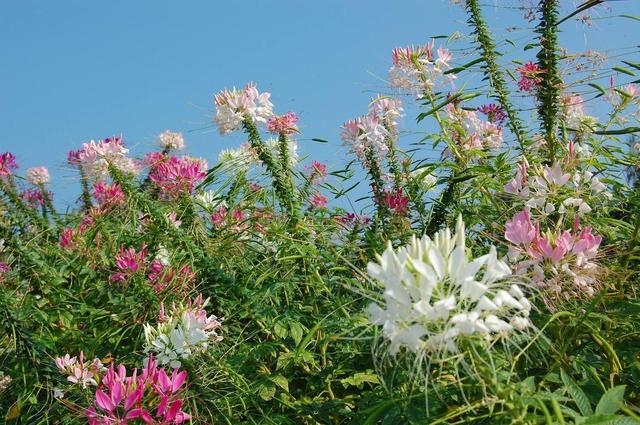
[492,277]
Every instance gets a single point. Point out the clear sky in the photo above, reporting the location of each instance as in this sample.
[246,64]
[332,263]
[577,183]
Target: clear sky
[73,70]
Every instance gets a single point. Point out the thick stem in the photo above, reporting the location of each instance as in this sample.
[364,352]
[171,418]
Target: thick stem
[549,87]
[492,70]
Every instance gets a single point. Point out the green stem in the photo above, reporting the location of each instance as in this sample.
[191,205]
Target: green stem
[492,70]
[549,87]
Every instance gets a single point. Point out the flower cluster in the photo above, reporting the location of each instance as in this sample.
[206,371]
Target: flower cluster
[34,198]
[530,76]
[221,218]
[4,269]
[554,257]
[367,136]
[161,275]
[80,372]
[572,110]
[176,176]
[95,158]
[283,124]
[153,396]
[318,200]
[435,298]
[235,106]
[415,69]
[108,195]
[69,236]
[8,164]
[316,172]
[129,262]
[171,140]
[38,176]
[470,132]
[184,332]
[395,201]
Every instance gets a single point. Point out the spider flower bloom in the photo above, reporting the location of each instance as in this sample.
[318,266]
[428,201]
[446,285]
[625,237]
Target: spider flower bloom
[520,230]
[171,140]
[95,158]
[317,172]
[186,331]
[235,106]
[38,175]
[365,138]
[395,201]
[176,176]
[495,113]
[8,164]
[128,262]
[530,76]
[318,200]
[80,372]
[4,269]
[33,198]
[283,124]
[434,297]
[108,195]
[388,110]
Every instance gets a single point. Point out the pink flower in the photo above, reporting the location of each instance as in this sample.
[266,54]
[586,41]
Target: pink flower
[218,217]
[395,201]
[73,157]
[8,164]
[520,230]
[176,176]
[318,200]
[66,238]
[4,268]
[95,158]
[33,198]
[495,113]
[38,175]
[283,124]
[317,172]
[108,195]
[129,262]
[530,76]
[586,244]
[555,175]
[557,253]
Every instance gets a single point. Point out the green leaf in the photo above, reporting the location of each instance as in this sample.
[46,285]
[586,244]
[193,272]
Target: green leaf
[281,381]
[266,391]
[610,401]
[320,140]
[627,130]
[360,378]
[624,70]
[579,397]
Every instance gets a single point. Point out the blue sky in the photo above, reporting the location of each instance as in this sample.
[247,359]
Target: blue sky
[77,70]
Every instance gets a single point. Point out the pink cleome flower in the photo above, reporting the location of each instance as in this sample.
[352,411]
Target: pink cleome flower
[318,200]
[176,176]
[283,124]
[530,76]
[33,198]
[129,261]
[38,175]
[108,195]
[8,164]
[395,200]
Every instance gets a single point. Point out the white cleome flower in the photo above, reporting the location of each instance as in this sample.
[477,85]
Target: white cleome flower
[434,296]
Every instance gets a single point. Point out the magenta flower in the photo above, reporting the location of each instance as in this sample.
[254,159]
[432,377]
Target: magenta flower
[520,230]
[108,195]
[283,124]
[495,113]
[33,198]
[316,172]
[395,201]
[4,269]
[530,76]
[176,176]
[8,164]
[128,262]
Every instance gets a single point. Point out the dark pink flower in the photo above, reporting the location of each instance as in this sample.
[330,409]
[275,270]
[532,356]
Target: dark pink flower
[176,176]
[33,198]
[530,76]
[8,164]
[495,113]
[395,201]
[108,195]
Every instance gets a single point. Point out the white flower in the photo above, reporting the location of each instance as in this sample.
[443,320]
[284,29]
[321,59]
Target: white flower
[185,332]
[235,106]
[38,175]
[163,255]
[426,181]
[58,393]
[434,296]
[171,140]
